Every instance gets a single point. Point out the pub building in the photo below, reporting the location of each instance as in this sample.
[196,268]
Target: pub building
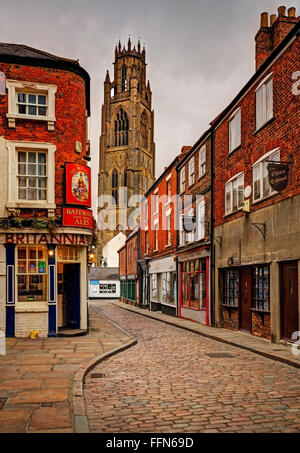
[45,216]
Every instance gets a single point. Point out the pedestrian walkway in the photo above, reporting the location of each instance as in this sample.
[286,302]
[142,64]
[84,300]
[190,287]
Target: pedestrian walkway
[281,352]
[37,376]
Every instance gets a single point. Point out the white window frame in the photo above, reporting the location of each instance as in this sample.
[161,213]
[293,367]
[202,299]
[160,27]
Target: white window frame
[16,86]
[181,231]
[267,105]
[201,220]
[260,165]
[202,161]
[168,183]
[190,236]
[182,180]
[156,228]
[239,179]
[191,171]
[156,201]
[13,202]
[169,230]
[154,286]
[234,130]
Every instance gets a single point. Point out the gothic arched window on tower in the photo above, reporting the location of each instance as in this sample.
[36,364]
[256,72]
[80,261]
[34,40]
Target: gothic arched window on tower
[144,130]
[114,185]
[124,78]
[121,128]
[125,178]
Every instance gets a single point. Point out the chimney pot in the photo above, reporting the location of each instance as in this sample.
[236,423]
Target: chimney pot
[281,11]
[264,20]
[273,17]
[292,12]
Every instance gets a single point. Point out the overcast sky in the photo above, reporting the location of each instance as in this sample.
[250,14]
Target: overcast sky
[199,53]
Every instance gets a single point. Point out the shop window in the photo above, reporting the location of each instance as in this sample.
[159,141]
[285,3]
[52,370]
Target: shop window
[169,287]
[194,284]
[67,253]
[32,274]
[235,130]
[261,186]
[231,287]
[264,102]
[154,285]
[261,288]
[234,194]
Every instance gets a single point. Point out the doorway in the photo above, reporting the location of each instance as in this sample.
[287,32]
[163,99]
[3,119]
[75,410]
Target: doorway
[68,282]
[245,307]
[289,299]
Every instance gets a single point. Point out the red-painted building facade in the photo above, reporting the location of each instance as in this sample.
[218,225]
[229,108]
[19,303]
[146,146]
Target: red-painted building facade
[45,216]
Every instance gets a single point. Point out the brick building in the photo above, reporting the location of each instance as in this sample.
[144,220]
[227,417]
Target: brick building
[257,228]
[194,235]
[45,220]
[129,270]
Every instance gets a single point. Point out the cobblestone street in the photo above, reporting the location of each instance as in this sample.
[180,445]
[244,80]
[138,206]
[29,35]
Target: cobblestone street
[178,381]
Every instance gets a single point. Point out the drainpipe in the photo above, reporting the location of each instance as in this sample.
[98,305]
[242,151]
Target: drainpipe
[212,254]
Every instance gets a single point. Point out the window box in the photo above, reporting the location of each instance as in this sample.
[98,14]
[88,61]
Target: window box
[31,101]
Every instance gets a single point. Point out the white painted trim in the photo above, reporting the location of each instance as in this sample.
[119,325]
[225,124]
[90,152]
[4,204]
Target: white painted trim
[264,81]
[13,86]
[168,177]
[235,176]
[265,156]
[234,113]
[13,202]
[168,212]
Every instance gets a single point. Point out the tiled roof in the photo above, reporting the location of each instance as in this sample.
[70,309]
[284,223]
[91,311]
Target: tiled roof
[20,50]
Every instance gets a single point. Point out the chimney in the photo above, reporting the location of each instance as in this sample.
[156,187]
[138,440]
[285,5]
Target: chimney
[270,36]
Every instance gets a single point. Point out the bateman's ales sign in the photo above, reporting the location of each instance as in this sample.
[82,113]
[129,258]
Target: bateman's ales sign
[76,217]
[278,176]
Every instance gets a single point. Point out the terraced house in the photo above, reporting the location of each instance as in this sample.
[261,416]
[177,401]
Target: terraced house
[45,220]
[256,204]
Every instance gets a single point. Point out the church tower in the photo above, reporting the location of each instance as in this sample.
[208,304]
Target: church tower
[127,149]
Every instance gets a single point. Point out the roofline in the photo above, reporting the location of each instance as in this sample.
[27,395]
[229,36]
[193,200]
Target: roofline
[161,177]
[294,31]
[194,147]
[65,65]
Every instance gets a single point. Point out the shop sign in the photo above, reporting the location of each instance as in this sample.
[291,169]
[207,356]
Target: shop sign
[278,176]
[78,185]
[44,239]
[82,218]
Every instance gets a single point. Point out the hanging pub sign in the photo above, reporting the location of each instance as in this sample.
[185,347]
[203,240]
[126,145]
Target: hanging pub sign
[78,185]
[76,217]
[278,174]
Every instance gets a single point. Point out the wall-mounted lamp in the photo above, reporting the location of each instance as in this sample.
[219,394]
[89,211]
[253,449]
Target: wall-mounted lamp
[91,257]
[51,252]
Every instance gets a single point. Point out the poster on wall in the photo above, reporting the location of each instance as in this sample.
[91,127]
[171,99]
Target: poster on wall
[78,185]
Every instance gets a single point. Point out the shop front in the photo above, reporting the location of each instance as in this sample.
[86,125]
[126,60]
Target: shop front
[163,285]
[45,282]
[194,286]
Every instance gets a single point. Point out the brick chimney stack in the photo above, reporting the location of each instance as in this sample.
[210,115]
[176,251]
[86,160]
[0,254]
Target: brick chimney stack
[268,36]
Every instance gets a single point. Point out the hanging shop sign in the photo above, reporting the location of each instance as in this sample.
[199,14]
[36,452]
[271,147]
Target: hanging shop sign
[78,185]
[82,218]
[278,175]
[189,223]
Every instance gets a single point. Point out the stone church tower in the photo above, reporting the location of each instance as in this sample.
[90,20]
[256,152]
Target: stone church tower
[127,149]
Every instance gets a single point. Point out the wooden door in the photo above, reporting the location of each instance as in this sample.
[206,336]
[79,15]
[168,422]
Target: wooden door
[72,294]
[289,299]
[245,302]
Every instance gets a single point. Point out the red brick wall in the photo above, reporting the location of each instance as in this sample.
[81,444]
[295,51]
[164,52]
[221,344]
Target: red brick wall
[282,131]
[131,255]
[70,112]
[122,261]
[261,329]
[231,318]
